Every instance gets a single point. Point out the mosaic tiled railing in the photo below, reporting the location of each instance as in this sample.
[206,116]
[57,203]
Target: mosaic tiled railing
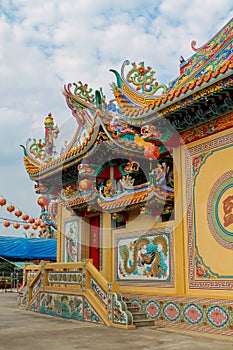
[24,297]
[31,275]
[110,305]
[36,286]
[109,299]
[120,313]
[205,315]
[65,277]
[99,291]
[34,306]
[63,305]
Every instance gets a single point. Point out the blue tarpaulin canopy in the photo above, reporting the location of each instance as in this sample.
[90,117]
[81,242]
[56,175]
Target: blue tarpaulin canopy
[15,248]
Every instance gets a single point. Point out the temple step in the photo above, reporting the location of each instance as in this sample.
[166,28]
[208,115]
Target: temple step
[140,318]
[139,315]
[132,309]
[146,322]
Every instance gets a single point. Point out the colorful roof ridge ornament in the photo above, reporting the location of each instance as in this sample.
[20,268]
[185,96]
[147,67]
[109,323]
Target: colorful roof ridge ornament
[39,152]
[133,102]
[83,92]
[143,78]
[207,58]
[83,104]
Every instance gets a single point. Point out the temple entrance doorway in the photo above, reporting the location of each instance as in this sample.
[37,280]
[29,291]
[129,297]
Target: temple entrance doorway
[94,252]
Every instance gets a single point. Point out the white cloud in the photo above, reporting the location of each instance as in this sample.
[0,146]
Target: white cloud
[46,44]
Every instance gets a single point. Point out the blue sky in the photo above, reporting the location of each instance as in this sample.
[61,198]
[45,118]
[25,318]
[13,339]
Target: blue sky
[46,44]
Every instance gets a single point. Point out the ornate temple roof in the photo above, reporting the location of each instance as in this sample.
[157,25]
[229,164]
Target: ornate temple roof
[143,112]
[210,63]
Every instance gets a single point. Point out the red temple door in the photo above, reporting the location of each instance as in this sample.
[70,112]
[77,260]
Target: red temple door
[95,240]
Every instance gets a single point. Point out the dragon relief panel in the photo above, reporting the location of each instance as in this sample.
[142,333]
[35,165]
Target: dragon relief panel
[145,257]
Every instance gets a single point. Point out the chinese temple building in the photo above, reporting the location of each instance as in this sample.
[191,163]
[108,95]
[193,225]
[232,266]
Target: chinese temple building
[142,197]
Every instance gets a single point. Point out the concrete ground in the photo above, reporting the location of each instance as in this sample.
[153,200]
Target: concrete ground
[26,330]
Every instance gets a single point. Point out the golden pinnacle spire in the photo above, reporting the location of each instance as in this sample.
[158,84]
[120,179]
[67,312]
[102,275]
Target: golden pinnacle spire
[49,121]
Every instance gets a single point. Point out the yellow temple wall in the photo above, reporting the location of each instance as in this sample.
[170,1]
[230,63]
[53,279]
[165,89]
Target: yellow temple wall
[202,258]
[199,264]
[208,241]
[202,293]
[195,292]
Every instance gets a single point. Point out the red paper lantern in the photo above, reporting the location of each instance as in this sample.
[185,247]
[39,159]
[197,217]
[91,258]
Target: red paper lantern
[85,185]
[16,225]
[2,202]
[43,201]
[26,226]
[151,152]
[25,217]
[10,208]
[34,227]
[6,223]
[42,224]
[18,213]
[37,222]
[31,220]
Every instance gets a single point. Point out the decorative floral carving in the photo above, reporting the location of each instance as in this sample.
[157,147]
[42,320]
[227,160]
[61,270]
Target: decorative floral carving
[143,78]
[83,92]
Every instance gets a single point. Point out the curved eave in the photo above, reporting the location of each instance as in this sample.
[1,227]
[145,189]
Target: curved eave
[30,166]
[65,160]
[149,104]
[80,201]
[120,202]
[134,199]
[197,89]
[196,85]
[199,66]
[226,30]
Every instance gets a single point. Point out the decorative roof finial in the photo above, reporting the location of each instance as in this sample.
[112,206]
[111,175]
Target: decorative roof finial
[182,60]
[49,121]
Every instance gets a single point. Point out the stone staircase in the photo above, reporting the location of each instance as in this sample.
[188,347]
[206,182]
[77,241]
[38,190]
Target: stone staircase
[140,318]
